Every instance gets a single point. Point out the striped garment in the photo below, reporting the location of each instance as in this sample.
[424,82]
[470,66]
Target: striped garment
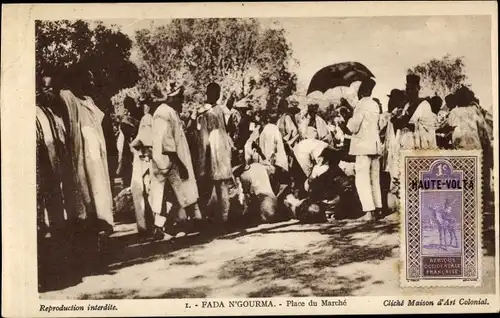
[51,168]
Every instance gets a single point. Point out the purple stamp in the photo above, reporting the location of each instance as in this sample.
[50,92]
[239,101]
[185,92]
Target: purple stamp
[441,218]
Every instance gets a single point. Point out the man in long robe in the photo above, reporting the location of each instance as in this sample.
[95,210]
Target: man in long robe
[96,164]
[213,153]
[470,125]
[53,177]
[271,143]
[444,131]
[392,146]
[272,146]
[231,116]
[241,126]
[89,195]
[286,123]
[172,169]
[471,132]
[142,145]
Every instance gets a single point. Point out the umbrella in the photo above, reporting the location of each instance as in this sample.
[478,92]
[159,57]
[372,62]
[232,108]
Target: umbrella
[341,74]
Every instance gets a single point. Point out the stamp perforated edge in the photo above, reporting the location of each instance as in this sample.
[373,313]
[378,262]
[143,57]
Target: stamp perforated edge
[404,283]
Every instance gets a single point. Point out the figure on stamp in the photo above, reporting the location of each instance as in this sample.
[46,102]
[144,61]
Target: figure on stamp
[443,219]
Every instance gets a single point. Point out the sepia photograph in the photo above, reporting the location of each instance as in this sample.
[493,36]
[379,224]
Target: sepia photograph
[229,157]
[260,158]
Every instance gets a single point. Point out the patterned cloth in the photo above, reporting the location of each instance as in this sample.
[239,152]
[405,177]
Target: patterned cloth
[319,124]
[425,122]
[52,168]
[470,128]
[213,146]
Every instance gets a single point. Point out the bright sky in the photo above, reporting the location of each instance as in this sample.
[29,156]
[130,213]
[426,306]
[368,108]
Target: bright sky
[388,46]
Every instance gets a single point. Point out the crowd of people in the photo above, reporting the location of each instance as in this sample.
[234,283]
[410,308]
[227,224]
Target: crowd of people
[225,164]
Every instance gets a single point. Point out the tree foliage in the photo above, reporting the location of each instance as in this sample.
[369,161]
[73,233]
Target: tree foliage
[441,76]
[239,54]
[104,50]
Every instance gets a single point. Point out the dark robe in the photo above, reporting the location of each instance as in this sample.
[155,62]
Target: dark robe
[339,190]
[54,222]
[111,148]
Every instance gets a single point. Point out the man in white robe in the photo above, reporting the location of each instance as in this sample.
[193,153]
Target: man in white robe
[271,143]
[172,169]
[95,158]
[142,145]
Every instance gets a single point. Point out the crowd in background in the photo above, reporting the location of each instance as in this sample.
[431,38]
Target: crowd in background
[226,165]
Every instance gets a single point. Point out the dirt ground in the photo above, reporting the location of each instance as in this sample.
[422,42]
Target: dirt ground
[285,259]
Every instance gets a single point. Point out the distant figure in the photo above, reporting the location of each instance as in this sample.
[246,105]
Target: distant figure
[312,119]
[231,116]
[272,146]
[133,110]
[392,146]
[128,130]
[287,124]
[242,130]
[436,103]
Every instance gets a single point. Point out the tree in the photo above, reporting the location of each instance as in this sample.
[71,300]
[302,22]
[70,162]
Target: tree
[441,76]
[104,50]
[236,53]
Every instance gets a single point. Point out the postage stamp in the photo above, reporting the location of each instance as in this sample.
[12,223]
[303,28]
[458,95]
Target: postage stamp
[441,218]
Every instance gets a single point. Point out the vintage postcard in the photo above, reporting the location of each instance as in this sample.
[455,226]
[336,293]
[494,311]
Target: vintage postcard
[441,218]
[214,159]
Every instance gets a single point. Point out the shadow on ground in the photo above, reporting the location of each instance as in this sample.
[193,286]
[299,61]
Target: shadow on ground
[284,259]
[288,273]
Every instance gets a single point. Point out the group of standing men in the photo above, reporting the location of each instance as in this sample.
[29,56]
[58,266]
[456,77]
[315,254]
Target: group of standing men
[74,199]
[192,173]
[222,147]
